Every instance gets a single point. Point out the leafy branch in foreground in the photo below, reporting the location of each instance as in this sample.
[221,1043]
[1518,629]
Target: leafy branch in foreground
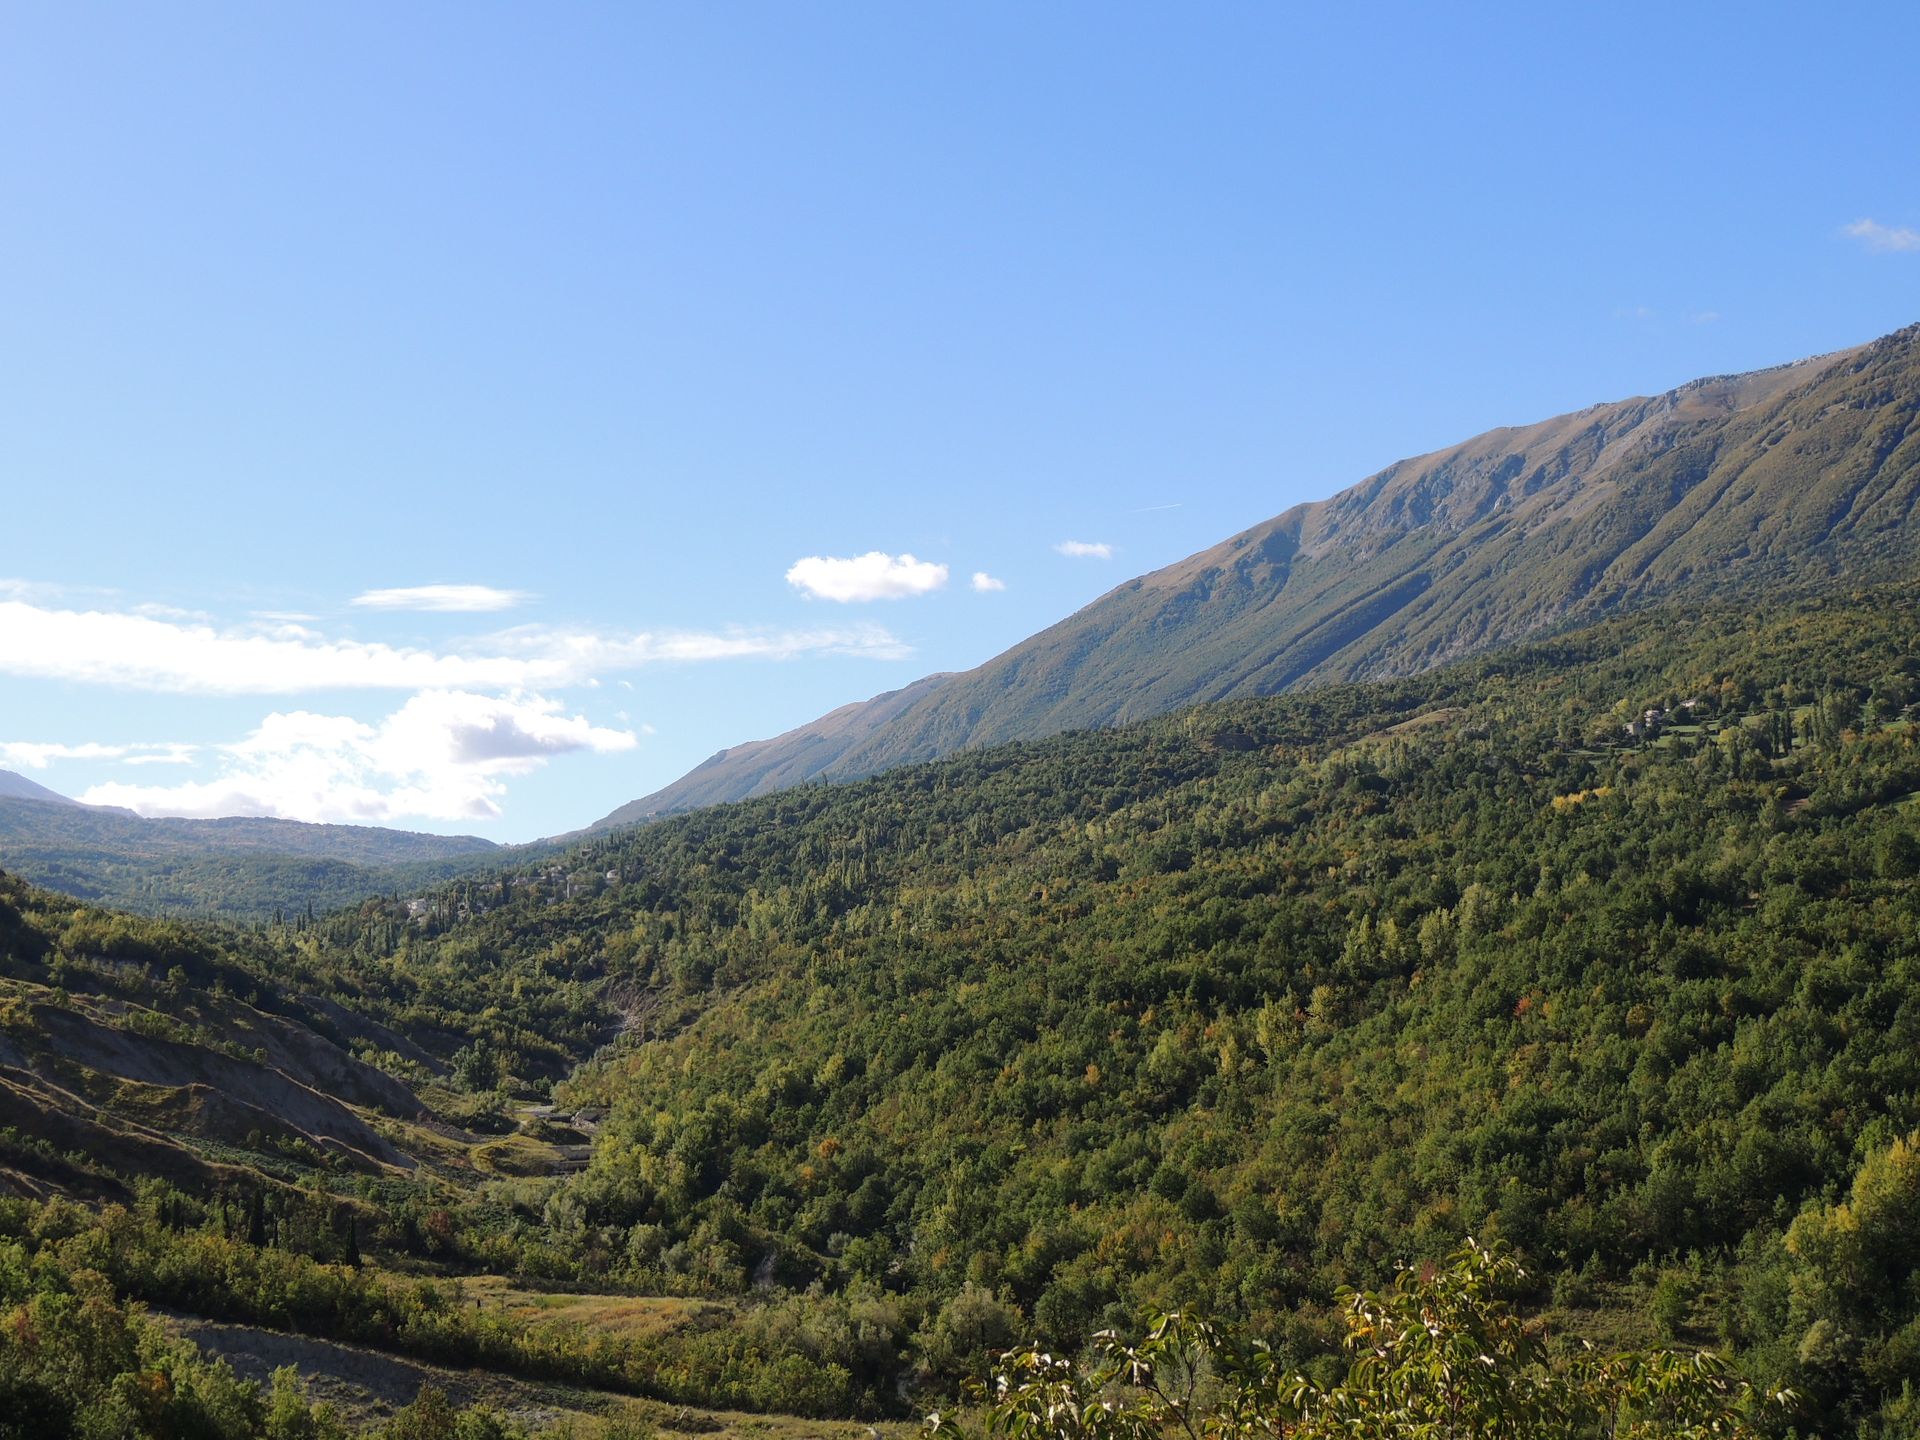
[1438,1355]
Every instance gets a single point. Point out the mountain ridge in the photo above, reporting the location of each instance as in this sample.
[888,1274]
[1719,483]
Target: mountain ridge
[764,765]
[242,866]
[15,786]
[1791,471]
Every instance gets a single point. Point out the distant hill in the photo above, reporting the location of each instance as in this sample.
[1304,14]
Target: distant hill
[1777,477]
[18,787]
[240,868]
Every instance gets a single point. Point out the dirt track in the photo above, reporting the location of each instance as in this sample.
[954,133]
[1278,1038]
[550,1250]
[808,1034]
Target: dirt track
[369,1384]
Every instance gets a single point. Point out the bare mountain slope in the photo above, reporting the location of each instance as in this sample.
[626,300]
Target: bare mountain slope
[14,786]
[1785,475]
[761,766]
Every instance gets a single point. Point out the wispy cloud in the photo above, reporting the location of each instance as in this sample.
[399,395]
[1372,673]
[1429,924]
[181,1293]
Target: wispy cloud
[443,755]
[141,652]
[39,754]
[16,589]
[1150,509]
[875,575]
[170,754]
[1882,239]
[457,599]
[983,581]
[1085,549]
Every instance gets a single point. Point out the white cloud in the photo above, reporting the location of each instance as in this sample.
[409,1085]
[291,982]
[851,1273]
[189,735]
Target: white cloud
[983,581]
[1085,549]
[460,599]
[444,755]
[1882,239]
[142,652]
[875,575]
[38,755]
[170,754]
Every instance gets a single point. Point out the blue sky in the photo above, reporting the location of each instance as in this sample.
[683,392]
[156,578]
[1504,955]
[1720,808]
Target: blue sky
[614,314]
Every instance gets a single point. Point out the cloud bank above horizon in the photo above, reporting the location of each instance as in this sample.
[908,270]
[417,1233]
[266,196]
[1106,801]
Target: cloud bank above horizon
[443,755]
[136,651]
[481,712]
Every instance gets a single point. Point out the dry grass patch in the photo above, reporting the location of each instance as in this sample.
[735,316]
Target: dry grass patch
[624,1317]
[516,1155]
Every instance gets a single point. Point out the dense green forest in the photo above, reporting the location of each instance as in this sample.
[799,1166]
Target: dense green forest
[1606,949]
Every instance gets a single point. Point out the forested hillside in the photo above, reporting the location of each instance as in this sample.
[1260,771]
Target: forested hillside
[1792,474]
[1225,1009]
[1606,949]
[240,868]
